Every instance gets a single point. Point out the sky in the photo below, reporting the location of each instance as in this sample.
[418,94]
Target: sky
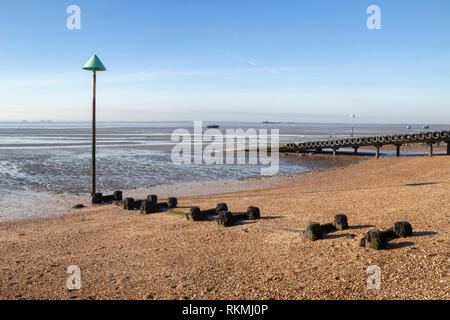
[217,60]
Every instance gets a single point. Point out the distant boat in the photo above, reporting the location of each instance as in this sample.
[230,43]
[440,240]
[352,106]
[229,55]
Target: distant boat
[408,127]
[270,122]
[213,126]
[426,127]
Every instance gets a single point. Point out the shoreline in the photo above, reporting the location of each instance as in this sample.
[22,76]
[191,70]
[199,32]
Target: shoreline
[126,255]
[63,202]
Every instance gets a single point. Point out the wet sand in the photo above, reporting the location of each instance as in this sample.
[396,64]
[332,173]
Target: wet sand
[126,255]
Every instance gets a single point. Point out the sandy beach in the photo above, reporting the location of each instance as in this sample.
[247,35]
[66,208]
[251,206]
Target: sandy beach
[126,255]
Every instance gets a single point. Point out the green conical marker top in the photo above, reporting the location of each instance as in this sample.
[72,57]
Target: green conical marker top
[94,64]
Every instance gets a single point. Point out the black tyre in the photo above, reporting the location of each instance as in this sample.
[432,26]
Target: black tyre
[221,207]
[153,198]
[253,213]
[128,204]
[172,202]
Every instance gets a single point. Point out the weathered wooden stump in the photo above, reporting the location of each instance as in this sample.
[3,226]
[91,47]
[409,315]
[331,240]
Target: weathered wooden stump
[128,204]
[195,214]
[376,239]
[239,216]
[161,206]
[313,231]
[97,198]
[390,234]
[221,207]
[117,195]
[108,199]
[138,204]
[403,229]
[147,207]
[209,212]
[340,222]
[172,202]
[153,198]
[225,218]
[327,227]
[253,213]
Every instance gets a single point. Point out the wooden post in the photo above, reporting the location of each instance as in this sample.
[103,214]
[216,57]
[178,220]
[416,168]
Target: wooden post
[448,148]
[377,154]
[334,152]
[430,150]
[94,76]
[398,150]
[356,149]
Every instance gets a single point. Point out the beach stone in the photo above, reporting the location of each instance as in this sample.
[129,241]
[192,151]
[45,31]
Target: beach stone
[313,231]
[97,198]
[153,198]
[362,242]
[79,206]
[147,207]
[253,213]
[194,214]
[327,227]
[128,204]
[225,219]
[221,207]
[117,195]
[340,222]
[403,229]
[172,202]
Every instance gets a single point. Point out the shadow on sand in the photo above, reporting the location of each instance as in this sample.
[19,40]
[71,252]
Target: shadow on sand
[391,246]
[364,226]
[424,233]
[421,184]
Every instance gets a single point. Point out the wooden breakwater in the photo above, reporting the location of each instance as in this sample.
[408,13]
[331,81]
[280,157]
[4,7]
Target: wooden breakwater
[429,138]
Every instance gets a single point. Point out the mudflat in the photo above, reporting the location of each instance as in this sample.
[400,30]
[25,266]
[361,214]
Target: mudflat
[127,255]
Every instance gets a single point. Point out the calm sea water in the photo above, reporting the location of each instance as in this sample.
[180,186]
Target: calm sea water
[45,167]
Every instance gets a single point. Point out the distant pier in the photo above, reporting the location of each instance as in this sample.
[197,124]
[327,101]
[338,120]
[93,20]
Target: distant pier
[429,138]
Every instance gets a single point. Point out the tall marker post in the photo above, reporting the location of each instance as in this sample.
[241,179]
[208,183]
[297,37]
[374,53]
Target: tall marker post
[353,121]
[94,64]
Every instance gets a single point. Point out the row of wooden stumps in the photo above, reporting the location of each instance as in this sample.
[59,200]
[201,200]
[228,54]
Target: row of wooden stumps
[99,198]
[375,238]
[224,217]
[378,240]
[315,231]
[149,205]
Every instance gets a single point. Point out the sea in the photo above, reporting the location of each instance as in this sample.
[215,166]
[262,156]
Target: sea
[45,167]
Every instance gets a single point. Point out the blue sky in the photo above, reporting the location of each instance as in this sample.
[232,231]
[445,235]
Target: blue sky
[227,60]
